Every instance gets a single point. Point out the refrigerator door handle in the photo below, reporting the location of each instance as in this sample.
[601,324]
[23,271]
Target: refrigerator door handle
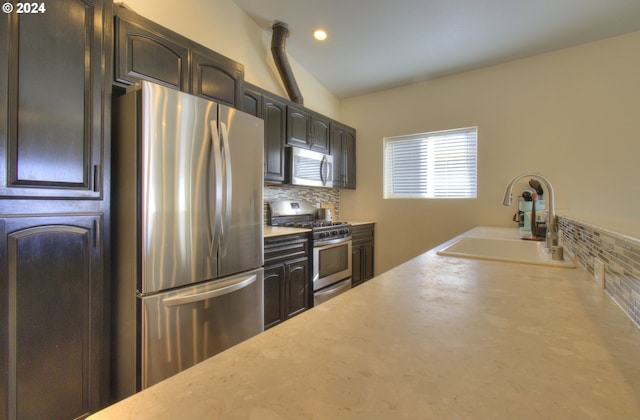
[215,175]
[227,197]
[241,283]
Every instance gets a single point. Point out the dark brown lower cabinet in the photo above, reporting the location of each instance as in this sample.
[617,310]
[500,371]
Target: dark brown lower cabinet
[51,333]
[362,253]
[287,278]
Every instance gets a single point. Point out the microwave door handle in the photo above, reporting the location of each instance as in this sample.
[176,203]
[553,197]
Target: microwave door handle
[323,163]
[241,283]
[228,195]
[215,192]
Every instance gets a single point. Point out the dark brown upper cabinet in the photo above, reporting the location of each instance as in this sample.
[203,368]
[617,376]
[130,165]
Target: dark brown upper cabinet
[320,134]
[145,50]
[307,129]
[53,68]
[343,150]
[288,124]
[252,100]
[273,110]
[216,78]
[275,126]
[298,126]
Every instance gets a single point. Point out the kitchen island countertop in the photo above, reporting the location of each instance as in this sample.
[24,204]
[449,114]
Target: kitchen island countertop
[436,337]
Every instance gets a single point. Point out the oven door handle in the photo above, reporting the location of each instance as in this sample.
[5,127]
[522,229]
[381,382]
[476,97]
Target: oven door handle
[330,290]
[331,242]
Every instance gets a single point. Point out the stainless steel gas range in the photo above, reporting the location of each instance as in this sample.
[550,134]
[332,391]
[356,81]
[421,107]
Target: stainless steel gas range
[331,246]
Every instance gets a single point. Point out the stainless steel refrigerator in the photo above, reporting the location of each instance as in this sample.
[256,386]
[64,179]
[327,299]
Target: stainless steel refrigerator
[188,239]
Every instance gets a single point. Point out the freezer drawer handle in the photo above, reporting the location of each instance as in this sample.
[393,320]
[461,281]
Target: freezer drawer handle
[197,297]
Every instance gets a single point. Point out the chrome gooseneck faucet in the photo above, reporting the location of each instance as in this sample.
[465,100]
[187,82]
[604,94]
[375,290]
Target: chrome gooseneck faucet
[552,223]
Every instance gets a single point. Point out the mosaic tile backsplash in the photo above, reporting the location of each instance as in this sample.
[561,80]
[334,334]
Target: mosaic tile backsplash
[620,253]
[314,195]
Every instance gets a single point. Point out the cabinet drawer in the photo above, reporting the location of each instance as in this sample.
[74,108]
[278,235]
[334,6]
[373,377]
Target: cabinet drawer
[285,248]
[362,233]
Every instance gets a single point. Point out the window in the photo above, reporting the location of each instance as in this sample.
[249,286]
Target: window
[440,164]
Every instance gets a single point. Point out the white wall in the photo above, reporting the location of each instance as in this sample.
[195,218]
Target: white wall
[571,115]
[223,27]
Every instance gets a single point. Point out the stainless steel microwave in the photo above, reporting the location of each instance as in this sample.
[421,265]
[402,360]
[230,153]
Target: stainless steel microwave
[311,168]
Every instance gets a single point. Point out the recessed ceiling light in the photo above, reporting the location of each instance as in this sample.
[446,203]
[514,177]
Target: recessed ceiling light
[320,34]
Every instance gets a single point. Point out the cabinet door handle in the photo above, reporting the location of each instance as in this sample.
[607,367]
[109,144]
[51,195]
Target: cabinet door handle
[96,233]
[97,172]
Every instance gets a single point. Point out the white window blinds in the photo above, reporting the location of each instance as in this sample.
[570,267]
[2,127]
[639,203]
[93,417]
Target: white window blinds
[440,164]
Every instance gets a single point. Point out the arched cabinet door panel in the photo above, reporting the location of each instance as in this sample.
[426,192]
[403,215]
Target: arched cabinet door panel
[143,52]
[216,78]
[52,293]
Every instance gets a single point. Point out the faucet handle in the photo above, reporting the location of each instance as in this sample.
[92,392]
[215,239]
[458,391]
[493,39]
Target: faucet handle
[557,253]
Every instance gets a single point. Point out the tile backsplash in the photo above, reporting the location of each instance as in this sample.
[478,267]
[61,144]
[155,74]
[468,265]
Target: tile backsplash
[314,195]
[620,253]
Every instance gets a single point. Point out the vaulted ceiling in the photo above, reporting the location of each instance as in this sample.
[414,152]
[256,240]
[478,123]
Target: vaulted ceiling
[378,44]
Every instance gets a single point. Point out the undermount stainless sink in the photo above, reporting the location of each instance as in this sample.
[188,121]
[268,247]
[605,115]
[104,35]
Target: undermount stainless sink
[509,250]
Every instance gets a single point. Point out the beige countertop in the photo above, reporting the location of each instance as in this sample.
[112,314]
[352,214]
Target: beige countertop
[358,223]
[435,338]
[270,231]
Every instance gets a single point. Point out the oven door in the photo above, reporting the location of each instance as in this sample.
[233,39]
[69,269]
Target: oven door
[331,262]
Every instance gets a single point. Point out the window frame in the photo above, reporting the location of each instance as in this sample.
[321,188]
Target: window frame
[446,161]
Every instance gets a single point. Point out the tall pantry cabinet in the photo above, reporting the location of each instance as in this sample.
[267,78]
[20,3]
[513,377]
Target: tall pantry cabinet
[55,99]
